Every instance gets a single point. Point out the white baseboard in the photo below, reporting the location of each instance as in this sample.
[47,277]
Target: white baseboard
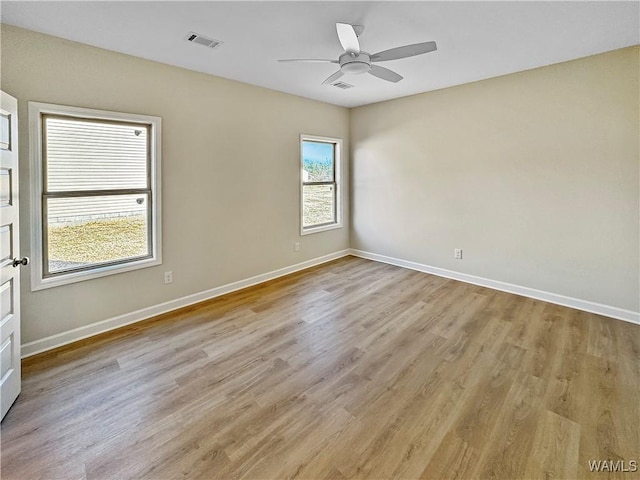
[60,339]
[592,307]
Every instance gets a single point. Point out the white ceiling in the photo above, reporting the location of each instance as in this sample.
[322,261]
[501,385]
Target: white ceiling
[476,40]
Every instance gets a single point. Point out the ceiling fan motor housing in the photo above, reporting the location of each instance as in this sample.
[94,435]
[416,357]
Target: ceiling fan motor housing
[355,63]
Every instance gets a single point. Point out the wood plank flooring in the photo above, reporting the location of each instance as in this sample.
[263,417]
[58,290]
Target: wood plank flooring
[352,369]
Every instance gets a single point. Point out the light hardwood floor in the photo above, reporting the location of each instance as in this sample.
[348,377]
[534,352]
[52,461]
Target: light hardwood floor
[352,369]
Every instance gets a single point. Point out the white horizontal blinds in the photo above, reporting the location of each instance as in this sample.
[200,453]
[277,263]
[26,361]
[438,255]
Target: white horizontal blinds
[95,155]
[87,155]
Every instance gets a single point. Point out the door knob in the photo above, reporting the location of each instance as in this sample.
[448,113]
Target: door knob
[20,261]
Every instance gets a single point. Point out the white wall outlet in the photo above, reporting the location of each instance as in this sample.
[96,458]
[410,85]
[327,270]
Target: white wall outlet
[168,277]
[457,253]
[296,247]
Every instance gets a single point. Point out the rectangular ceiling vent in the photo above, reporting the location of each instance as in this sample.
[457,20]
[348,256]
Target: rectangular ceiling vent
[202,40]
[342,85]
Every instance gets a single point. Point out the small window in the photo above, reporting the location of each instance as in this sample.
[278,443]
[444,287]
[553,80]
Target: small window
[320,184]
[96,192]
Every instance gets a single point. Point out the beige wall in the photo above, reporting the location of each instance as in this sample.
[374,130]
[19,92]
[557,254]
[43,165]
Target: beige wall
[534,175]
[230,169]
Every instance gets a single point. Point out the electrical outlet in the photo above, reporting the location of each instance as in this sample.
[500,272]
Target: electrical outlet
[457,253]
[168,277]
[296,247]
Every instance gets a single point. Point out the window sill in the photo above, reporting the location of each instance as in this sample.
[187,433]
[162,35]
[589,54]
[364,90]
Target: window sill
[80,276]
[322,228]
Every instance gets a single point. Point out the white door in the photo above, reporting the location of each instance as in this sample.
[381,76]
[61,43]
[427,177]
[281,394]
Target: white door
[10,260]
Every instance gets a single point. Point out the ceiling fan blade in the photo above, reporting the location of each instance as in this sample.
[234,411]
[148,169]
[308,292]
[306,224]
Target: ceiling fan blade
[404,52]
[348,38]
[385,74]
[309,60]
[333,77]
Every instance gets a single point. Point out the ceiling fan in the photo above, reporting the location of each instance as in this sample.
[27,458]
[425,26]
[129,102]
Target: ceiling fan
[354,60]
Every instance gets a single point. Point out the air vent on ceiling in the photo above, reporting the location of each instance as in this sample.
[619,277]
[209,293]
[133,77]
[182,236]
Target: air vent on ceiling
[342,85]
[202,40]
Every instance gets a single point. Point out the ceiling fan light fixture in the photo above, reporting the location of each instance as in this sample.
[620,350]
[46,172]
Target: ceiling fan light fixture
[356,67]
[355,64]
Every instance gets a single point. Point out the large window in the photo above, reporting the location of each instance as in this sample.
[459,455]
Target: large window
[320,177]
[95,193]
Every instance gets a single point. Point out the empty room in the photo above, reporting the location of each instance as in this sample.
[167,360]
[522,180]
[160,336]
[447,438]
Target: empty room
[320,240]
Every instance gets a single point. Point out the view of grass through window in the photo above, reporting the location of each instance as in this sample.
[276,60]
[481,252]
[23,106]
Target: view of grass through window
[318,189]
[102,229]
[96,241]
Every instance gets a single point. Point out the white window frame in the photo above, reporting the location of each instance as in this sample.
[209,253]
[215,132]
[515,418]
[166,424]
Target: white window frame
[337,180]
[36,112]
